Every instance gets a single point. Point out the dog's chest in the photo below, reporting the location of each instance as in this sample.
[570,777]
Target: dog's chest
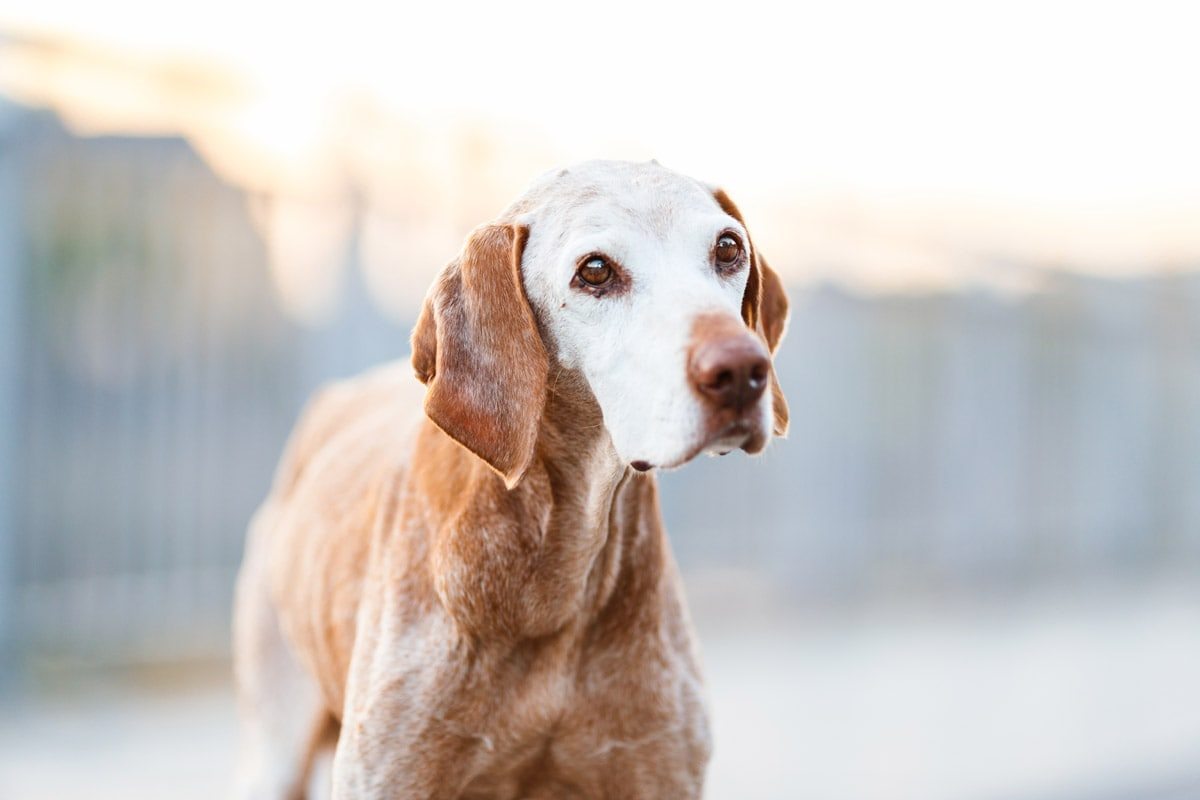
[569,718]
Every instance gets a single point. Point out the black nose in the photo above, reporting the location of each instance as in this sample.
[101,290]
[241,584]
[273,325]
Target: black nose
[730,372]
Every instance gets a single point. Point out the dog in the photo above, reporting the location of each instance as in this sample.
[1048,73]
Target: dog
[481,601]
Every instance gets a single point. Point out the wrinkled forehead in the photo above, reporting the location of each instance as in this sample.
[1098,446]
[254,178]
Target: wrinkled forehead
[600,197]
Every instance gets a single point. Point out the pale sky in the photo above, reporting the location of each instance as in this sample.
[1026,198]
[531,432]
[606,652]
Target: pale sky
[1058,130]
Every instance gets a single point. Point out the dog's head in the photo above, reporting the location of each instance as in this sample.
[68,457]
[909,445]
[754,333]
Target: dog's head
[642,281]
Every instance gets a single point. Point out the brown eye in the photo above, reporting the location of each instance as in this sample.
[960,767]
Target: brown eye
[728,251]
[595,271]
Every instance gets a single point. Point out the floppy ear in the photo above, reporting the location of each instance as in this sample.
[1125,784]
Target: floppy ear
[476,347]
[764,308]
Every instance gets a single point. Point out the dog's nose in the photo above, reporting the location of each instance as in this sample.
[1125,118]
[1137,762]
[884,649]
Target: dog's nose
[731,371]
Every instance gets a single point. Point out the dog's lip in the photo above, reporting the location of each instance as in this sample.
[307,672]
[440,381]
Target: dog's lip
[737,427]
[729,438]
[725,440]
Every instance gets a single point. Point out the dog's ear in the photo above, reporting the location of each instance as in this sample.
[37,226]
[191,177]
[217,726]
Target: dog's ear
[477,349]
[764,308]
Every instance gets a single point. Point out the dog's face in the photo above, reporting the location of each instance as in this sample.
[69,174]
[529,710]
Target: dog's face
[638,275]
[646,283]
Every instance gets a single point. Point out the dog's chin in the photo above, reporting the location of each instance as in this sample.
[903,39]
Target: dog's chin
[741,434]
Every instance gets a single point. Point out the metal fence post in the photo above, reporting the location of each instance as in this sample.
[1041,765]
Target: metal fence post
[10,348]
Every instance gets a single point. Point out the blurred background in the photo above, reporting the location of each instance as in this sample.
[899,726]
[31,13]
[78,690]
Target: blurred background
[971,572]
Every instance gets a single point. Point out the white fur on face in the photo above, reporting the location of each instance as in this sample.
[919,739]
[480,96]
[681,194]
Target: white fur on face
[632,347]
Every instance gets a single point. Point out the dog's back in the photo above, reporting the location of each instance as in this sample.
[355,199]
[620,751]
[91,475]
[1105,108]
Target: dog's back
[365,418]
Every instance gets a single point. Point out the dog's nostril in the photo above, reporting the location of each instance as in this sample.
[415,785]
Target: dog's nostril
[758,374]
[723,379]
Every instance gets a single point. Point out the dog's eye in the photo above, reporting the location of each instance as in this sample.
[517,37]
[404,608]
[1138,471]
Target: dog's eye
[595,271]
[728,251]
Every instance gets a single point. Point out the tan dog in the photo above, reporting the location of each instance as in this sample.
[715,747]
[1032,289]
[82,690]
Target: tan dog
[482,602]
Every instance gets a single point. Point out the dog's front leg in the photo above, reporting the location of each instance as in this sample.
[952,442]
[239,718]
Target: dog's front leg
[399,737]
[378,760]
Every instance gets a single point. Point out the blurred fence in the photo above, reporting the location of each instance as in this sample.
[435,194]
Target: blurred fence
[963,441]
[952,439]
[153,377]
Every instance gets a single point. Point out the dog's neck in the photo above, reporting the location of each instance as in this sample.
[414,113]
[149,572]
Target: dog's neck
[601,508]
[550,554]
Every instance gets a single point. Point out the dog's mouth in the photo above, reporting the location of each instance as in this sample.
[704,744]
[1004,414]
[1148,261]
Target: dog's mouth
[738,433]
[742,433]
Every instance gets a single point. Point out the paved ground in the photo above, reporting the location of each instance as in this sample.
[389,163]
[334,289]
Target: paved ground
[1093,697]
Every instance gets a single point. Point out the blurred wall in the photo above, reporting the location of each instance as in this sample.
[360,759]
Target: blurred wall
[946,441]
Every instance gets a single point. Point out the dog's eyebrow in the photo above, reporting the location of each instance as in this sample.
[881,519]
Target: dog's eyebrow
[585,219]
[585,195]
[660,218]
